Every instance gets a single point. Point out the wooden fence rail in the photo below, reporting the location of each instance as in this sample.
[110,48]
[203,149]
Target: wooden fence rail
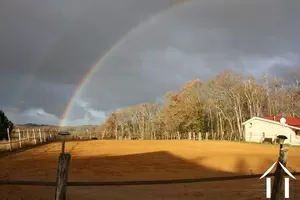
[134,183]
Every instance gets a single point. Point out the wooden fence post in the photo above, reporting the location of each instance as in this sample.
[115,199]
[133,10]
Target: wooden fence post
[40,134]
[199,136]
[62,176]
[50,136]
[62,171]
[178,135]
[20,139]
[45,140]
[9,140]
[34,138]
[279,174]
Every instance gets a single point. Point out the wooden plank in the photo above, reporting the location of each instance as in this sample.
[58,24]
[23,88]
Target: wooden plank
[62,176]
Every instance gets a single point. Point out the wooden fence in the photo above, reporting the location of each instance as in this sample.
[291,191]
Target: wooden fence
[20,138]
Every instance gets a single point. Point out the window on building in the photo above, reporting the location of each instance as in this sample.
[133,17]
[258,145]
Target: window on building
[298,132]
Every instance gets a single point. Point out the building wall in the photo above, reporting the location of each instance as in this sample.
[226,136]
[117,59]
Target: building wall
[256,129]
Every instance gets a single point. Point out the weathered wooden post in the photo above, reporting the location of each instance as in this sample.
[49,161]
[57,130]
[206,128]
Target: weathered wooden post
[44,134]
[87,133]
[20,139]
[190,136]
[199,136]
[62,170]
[27,134]
[279,172]
[9,140]
[40,134]
[178,135]
[34,138]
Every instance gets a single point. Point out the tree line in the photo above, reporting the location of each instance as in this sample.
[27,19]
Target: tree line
[5,124]
[214,109]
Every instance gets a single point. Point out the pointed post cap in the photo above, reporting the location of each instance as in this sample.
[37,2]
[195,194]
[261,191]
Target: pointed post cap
[281,138]
[64,133]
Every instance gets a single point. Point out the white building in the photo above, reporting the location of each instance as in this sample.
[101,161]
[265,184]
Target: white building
[258,129]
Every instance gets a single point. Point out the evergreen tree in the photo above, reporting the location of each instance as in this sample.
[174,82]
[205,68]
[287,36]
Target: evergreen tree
[4,124]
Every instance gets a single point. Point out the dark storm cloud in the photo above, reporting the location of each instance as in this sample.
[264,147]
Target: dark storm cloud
[55,42]
[58,38]
[48,46]
[198,40]
[52,97]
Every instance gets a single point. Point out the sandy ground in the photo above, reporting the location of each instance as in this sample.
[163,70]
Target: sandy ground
[147,160]
[4,145]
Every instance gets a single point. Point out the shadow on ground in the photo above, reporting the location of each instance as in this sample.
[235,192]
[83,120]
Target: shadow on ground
[159,165]
[145,166]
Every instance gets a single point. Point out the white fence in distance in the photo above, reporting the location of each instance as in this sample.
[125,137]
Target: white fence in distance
[26,137]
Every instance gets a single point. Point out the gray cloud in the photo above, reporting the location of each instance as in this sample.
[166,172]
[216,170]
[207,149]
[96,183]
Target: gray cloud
[191,45]
[48,46]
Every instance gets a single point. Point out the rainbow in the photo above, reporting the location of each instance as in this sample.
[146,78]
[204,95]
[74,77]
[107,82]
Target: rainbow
[97,65]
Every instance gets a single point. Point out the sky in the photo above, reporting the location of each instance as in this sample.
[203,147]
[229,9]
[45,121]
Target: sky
[47,47]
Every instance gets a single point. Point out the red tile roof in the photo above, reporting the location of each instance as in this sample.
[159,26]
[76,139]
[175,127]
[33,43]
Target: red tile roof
[289,120]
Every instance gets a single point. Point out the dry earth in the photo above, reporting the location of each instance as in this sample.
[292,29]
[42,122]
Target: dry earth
[147,160]
[4,145]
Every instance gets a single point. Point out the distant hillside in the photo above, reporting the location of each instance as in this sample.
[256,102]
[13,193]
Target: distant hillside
[31,124]
[40,125]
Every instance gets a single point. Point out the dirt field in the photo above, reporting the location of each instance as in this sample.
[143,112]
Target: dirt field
[4,145]
[147,160]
